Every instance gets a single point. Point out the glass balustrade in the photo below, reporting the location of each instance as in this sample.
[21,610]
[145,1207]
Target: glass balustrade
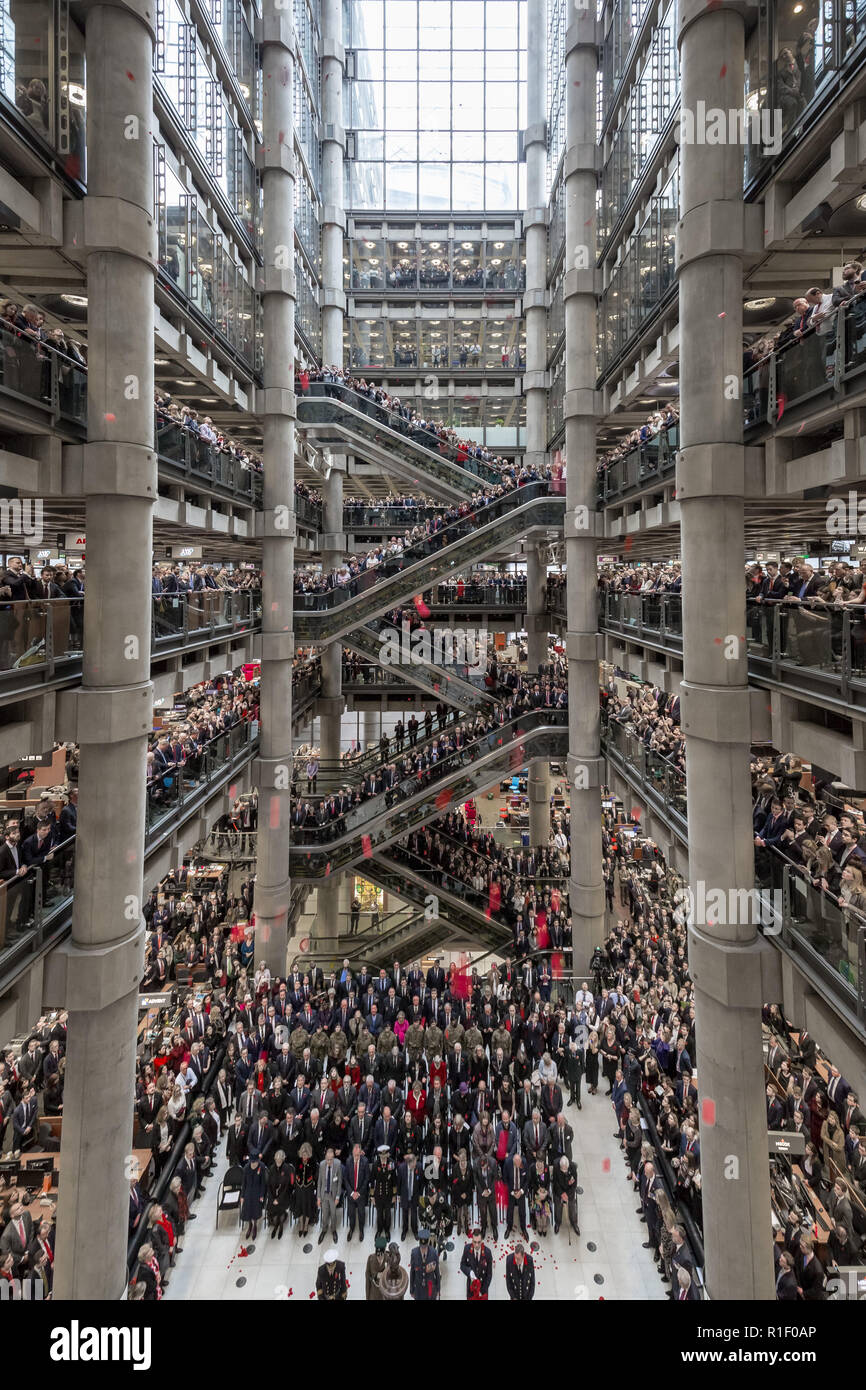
[328,403]
[376,591]
[381,819]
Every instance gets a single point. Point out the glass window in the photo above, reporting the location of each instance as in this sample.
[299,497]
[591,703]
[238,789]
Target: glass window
[174,233]
[368,23]
[369,144]
[368,261]
[402,24]
[202,258]
[468,185]
[26,58]
[368,343]
[370,65]
[501,185]
[366,184]
[401,145]
[74,106]
[434,183]
[434,145]
[402,261]
[468,107]
[401,182]
[401,342]
[435,111]
[368,105]
[401,106]
[434,248]
[435,343]
[467,264]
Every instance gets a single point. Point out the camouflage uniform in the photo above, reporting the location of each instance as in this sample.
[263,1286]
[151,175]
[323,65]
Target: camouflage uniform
[415,1041]
[298,1041]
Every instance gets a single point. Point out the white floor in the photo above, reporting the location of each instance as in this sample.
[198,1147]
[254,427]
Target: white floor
[617,1268]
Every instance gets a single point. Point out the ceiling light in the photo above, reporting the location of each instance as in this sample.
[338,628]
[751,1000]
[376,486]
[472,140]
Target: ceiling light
[759,303]
[187,381]
[161,362]
[210,400]
[861,202]
[403,245]
[467,245]
[496,261]
[498,245]
[78,300]
[370,245]
[436,245]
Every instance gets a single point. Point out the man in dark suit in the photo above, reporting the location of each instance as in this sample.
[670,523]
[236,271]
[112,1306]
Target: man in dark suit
[410,1188]
[812,1279]
[260,1139]
[786,1279]
[361,1130]
[25,1121]
[520,1276]
[775,1110]
[11,859]
[356,1175]
[837,1091]
[385,1132]
[436,977]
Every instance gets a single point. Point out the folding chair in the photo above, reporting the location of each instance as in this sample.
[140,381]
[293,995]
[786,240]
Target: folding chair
[229,1195]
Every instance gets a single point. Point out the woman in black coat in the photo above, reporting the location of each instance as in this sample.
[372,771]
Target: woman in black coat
[281,1178]
[306,1174]
[593,1059]
[254,1190]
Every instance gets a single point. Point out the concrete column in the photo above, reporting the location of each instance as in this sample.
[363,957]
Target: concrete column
[535,229]
[538,785]
[586,889]
[277,407]
[724,959]
[330,705]
[333,213]
[96,974]
[372,726]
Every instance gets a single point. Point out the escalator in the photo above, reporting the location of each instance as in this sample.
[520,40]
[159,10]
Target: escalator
[455,684]
[324,616]
[317,851]
[460,904]
[345,418]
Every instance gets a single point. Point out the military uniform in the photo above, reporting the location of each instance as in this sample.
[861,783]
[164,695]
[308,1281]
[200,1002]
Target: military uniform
[384,1184]
[320,1045]
[454,1034]
[339,1046]
[434,1040]
[376,1265]
[415,1042]
[386,1042]
[471,1039]
[331,1286]
[298,1041]
[501,1038]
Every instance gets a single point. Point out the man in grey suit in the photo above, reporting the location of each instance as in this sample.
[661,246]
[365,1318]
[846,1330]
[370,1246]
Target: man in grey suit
[535,1137]
[328,1190]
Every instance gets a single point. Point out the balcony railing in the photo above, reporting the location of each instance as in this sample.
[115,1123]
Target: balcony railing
[825,365]
[45,636]
[827,936]
[35,907]
[822,644]
[648,463]
[38,374]
[202,462]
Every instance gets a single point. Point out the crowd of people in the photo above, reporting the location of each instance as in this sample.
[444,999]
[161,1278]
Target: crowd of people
[192,578]
[656,423]
[448,524]
[398,415]
[184,417]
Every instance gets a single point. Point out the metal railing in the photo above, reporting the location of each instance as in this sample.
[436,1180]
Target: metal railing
[825,363]
[649,462]
[201,461]
[657,615]
[38,374]
[174,787]
[828,939]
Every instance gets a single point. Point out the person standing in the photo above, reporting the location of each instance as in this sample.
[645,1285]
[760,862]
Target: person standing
[477,1265]
[520,1275]
[331,1285]
[383,1190]
[376,1265]
[254,1190]
[328,1190]
[424,1274]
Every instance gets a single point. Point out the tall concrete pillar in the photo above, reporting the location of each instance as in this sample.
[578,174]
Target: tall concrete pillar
[586,889]
[724,959]
[96,973]
[535,230]
[278,528]
[372,726]
[330,705]
[538,785]
[333,209]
